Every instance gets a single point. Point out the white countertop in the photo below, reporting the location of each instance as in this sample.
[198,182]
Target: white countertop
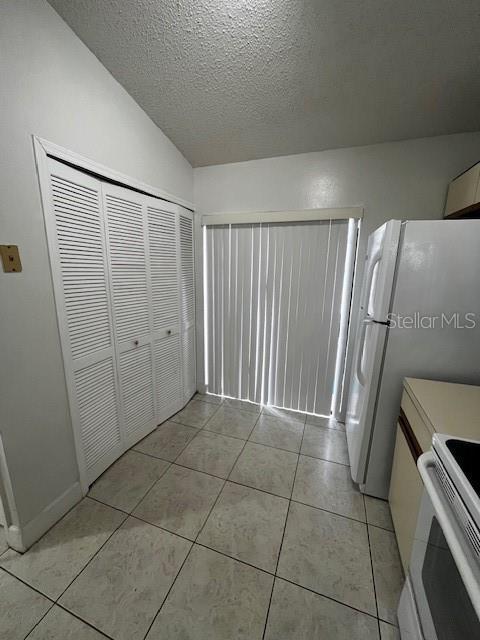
[447,407]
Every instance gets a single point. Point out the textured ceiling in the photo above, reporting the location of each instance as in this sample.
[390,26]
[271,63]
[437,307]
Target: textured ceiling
[231,80]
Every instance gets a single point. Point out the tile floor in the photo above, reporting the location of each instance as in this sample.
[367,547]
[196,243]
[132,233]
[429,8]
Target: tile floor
[227,522]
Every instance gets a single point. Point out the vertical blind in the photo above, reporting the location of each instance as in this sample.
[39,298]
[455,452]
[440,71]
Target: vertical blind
[272,311]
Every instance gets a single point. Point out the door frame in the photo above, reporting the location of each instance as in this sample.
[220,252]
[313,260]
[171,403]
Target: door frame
[354,215]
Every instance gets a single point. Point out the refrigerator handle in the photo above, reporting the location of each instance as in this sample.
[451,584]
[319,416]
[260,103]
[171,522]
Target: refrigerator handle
[369,279]
[361,346]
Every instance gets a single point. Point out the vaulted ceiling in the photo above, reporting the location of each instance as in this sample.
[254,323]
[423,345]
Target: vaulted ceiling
[231,80]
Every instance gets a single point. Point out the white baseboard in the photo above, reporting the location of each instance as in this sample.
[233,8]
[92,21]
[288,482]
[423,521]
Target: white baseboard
[21,538]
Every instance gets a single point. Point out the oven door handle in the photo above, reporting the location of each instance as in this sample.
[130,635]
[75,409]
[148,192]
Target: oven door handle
[446,519]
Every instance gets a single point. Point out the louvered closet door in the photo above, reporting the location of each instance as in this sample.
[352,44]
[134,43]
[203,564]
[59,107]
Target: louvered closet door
[78,258]
[125,214]
[187,303]
[162,220]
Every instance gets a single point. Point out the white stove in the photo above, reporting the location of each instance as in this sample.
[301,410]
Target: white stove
[441,596]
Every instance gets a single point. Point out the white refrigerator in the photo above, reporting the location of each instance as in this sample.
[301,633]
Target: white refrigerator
[419,317]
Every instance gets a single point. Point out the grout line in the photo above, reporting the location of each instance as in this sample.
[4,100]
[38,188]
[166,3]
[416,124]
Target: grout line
[223,486]
[283,537]
[169,590]
[149,489]
[334,513]
[198,534]
[157,526]
[323,595]
[74,615]
[28,585]
[96,552]
[105,504]
[194,542]
[371,561]
[39,621]
[342,464]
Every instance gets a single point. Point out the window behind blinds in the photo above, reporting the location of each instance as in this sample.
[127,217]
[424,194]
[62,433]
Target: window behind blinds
[273,311]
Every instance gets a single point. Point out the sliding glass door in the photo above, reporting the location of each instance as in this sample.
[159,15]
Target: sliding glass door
[277,296]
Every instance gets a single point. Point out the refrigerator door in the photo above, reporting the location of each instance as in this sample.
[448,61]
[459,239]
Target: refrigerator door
[434,326]
[375,300]
[369,347]
[379,271]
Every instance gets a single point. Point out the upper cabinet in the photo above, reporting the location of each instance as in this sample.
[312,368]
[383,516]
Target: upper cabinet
[463,196]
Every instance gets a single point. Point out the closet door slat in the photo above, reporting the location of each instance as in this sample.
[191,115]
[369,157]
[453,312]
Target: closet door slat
[128,254]
[168,375]
[125,222]
[162,234]
[76,235]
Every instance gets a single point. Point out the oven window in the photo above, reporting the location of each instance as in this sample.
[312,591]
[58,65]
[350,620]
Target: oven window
[450,607]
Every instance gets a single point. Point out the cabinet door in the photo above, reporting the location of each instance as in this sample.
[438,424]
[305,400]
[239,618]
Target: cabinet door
[163,250]
[187,303]
[125,213]
[75,229]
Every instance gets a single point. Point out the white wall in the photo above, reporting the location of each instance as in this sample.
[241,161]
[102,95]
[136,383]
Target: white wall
[53,86]
[395,180]
[403,180]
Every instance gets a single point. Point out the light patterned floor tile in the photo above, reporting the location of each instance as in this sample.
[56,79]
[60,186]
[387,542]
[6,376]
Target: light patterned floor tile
[125,483]
[20,608]
[388,632]
[244,405]
[123,587]
[327,422]
[266,468]
[196,413]
[54,561]
[211,453]
[328,554]
[167,441]
[181,501]
[232,422]
[328,485]
[328,444]
[58,624]
[378,513]
[208,397]
[274,432]
[387,571]
[214,598]
[284,414]
[246,524]
[298,614]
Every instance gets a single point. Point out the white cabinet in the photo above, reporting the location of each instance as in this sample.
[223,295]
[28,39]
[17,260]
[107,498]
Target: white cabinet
[464,192]
[122,266]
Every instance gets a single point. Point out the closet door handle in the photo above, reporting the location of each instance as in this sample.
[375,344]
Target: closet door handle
[135,342]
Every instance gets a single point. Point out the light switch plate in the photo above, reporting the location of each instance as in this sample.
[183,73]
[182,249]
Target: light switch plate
[10,258]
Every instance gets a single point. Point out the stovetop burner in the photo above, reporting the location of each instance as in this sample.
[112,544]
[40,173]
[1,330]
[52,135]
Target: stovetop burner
[467,456]
[460,458]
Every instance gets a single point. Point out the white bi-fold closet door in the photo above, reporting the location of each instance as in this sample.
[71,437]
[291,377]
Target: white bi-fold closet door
[121,271]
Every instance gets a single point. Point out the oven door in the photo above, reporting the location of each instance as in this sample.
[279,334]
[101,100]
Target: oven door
[444,572]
